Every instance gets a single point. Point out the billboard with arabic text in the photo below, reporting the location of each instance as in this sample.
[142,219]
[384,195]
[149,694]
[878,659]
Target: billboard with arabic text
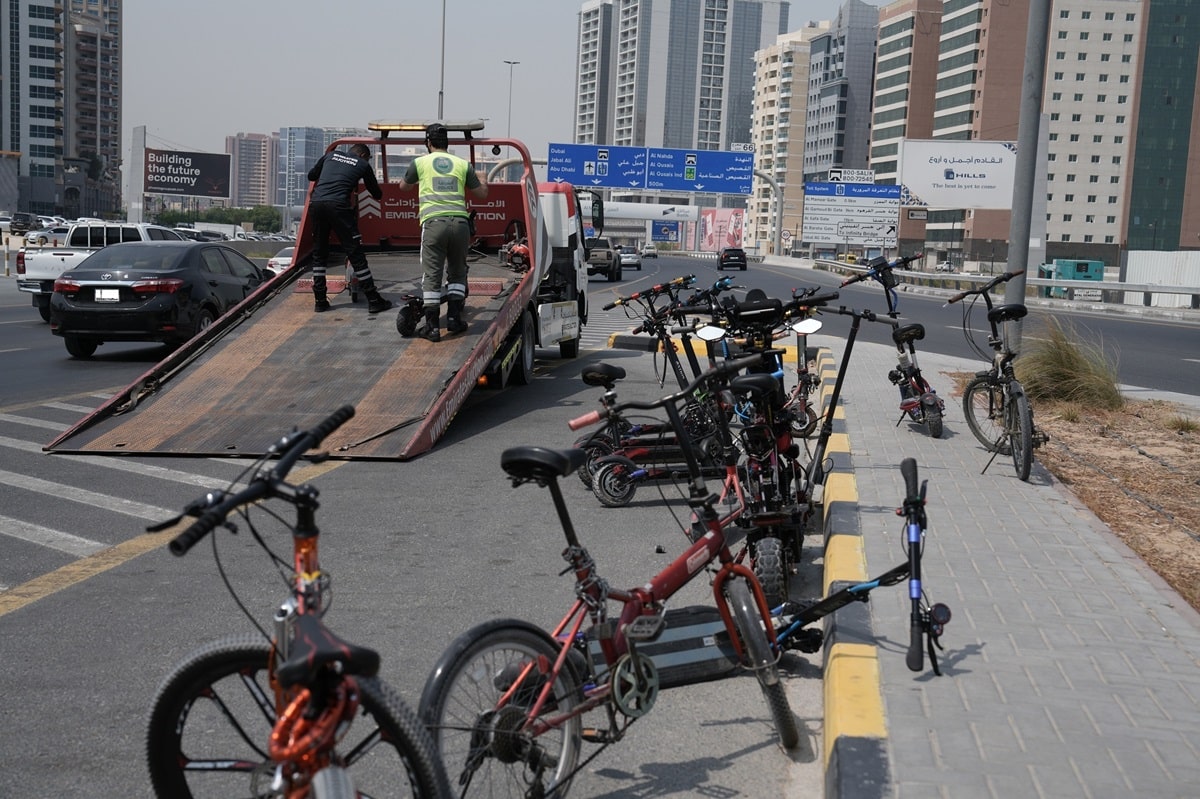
[952,173]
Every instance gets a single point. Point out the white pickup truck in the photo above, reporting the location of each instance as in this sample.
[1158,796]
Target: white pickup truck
[39,267]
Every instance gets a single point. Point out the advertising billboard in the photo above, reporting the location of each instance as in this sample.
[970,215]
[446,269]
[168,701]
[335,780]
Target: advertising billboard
[192,174]
[953,173]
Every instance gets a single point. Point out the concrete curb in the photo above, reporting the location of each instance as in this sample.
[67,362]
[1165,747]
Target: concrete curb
[855,728]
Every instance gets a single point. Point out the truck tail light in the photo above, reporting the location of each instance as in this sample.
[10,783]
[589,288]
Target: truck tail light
[20,262]
[166,285]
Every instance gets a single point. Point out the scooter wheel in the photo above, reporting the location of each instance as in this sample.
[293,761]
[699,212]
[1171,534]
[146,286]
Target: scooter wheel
[612,485]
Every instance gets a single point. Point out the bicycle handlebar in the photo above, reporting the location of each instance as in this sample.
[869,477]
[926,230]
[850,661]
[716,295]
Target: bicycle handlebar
[719,372]
[815,300]
[1004,278]
[653,291]
[875,270]
[908,468]
[215,507]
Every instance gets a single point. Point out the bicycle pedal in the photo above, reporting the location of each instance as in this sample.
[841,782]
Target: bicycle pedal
[808,640]
[597,736]
[645,628]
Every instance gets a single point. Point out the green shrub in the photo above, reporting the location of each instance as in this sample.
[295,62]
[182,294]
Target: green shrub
[1058,367]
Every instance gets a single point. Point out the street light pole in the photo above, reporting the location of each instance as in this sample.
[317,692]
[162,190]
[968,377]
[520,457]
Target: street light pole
[442,84]
[511,64]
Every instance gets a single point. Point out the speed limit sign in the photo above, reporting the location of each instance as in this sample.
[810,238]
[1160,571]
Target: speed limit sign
[785,234]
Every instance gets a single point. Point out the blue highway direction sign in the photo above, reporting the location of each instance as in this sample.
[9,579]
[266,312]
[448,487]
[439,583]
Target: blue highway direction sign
[652,169]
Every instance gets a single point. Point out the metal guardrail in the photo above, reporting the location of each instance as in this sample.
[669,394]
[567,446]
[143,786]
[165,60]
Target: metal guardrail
[1110,292]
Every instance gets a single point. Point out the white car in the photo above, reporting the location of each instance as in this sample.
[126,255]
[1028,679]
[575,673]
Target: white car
[281,260]
[629,257]
[48,235]
[944,266]
[649,251]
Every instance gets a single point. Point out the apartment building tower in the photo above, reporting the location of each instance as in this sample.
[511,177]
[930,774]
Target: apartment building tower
[252,166]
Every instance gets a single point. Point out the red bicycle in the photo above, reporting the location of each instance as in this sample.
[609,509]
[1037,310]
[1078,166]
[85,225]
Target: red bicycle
[505,703]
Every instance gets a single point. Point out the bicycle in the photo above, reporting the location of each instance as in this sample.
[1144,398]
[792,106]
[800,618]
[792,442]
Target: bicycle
[927,621]
[505,702]
[994,401]
[918,401]
[296,713]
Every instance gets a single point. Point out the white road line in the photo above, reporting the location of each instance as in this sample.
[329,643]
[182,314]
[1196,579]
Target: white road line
[117,464]
[128,507]
[53,539]
[63,406]
[25,420]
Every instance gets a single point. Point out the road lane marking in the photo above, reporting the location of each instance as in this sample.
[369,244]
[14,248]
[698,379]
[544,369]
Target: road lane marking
[132,467]
[53,539]
[92,565]
[30,422]
[128,507]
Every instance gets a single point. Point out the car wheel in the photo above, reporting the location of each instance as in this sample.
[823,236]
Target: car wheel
[204,319]
[743,267]
[80,347]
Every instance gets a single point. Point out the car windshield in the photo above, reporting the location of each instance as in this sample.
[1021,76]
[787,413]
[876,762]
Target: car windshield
[140,259]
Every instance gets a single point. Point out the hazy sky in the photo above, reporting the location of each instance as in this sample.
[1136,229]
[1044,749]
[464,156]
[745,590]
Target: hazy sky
[197,72]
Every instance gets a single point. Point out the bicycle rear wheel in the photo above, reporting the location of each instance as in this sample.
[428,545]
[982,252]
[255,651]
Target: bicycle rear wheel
[983,407]
[771,569]
[758,651]
[481,742]
[1020,429]
[212,718]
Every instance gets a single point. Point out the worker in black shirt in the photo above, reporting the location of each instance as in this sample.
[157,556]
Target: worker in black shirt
[333,208]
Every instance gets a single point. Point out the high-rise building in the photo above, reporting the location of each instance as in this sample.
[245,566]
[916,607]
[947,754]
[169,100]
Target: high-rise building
[297,150]
[671,73]
[840,74]
[777,133]
[252,164]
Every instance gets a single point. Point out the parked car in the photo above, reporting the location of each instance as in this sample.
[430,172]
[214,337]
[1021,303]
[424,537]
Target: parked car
[731,258]
[944,266]
[47,235]
[22,222]
[281,260]
[649,251]
[165,291]
[631,257]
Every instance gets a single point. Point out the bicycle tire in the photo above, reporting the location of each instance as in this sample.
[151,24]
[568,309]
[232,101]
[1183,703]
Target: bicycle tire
[748,621]
[212,717]
[983,407]
[596,447]
[802,426]
[460,707]
[771,570]
[1020,430]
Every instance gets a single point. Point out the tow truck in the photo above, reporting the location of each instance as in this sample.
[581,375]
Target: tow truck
[272,358]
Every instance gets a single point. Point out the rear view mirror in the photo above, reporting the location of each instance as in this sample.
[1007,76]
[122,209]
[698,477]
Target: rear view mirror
[807,327]
[711,333]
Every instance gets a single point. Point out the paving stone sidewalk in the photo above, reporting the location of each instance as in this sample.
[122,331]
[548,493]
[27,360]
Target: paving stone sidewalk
[1070,668]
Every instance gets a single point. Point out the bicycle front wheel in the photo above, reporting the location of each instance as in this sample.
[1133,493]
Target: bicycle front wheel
[484,744]
[758,651]
[983,407]
[212,718]
[1020,429]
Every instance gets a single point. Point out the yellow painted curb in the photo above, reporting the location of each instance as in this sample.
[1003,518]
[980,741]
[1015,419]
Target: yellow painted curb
[852,686]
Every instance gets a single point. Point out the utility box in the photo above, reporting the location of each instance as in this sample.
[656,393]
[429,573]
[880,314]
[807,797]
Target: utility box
[1072,269]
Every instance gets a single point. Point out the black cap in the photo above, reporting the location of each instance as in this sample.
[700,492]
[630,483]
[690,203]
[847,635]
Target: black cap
[437,134]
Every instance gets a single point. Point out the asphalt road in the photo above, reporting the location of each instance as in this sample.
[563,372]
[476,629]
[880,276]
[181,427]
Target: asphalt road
[94,612]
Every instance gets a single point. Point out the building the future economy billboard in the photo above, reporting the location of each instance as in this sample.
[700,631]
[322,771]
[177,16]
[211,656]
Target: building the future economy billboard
[192,174]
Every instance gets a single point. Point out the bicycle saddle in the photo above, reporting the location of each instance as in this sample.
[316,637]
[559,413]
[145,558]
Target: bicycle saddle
[315,647]
[907,333]
[603,374]
[759,385]
[541,463]
[1007,313]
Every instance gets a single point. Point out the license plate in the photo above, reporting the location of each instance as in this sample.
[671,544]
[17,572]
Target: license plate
[108,295]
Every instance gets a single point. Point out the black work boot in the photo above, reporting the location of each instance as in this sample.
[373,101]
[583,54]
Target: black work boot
[376,303]
[320,301]
[454,322]
[431,331]
[410,314]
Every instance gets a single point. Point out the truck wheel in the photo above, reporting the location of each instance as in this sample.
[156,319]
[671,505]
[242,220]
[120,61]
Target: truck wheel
[614,273]
[522,372]
[80,347]
[43,306]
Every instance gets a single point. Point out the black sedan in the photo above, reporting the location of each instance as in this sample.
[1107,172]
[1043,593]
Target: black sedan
[165,291]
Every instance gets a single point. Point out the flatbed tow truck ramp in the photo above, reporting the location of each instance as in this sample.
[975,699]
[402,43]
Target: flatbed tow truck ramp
[272,359]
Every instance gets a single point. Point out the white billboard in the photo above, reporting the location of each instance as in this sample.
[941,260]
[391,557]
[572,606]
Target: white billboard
[619,210]
[952,173]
